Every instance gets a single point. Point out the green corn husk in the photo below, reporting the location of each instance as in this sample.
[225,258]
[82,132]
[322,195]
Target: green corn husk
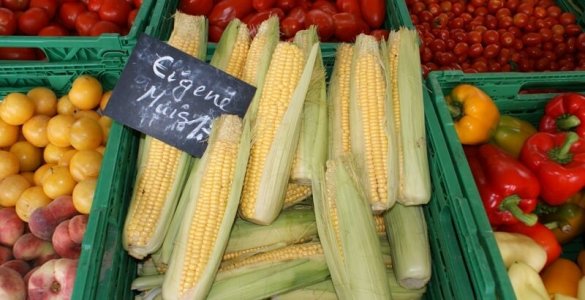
[314,119]
[276,171]
[413,168]
[234,41]
[201,288]
[326,291]
[294,225]
[358,270]
[255,67]
[406,229]
[152,294]
[145,283]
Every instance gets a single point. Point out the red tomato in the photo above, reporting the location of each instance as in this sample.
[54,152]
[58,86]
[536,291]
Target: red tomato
[353,6]
[581,42]
[348,26]
[567,18]
[256,19]
[8,22]
[18,54]
[491,51]
[323,21]
[263,5]
[461,49]
[15,4]
[226,10]
[215,33]
[494,5]
[94,5]
[33,20]
[115,11]
[531,39]
[475,50]
[490,37]
[49,5]
[373,12]
[380,34]
[325,6]
[85,22]
[102,27]
[298,14]
[196,7]
[290,26]
[286,5]
[69,11]
[54,30]
[553,11]
[132,17]
[137,3]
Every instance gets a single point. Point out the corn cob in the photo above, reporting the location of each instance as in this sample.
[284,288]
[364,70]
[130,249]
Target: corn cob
[371,142]
[232,49]
[276,130]
[296,193]
[348,234]
[162,169]
[414,186]
[380,224]
[294,225]
[284,270]
[211,212]
[314,118]
[189,34]
[339,94]
[410,250]
[260,52]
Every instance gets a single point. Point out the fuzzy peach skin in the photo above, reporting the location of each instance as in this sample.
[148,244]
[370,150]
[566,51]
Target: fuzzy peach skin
[63,244]
[77,228]
[53,281]
[12,226]
[29,247]
[44,220]
[5,254]
[18,265]
[11,285]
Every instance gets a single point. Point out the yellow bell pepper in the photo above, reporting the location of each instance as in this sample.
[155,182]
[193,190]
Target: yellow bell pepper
[511,134]
[475,114]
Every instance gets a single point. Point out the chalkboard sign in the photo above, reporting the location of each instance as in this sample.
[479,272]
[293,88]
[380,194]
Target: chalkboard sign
[172,96]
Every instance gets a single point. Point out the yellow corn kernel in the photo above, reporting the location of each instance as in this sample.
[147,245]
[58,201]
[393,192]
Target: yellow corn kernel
[282,77]
[296,193]
[331,206]
[186,33]
[282,254]
[239,52]
[339,91]
[256,52]
[371,143]
[152,188]
[380,224]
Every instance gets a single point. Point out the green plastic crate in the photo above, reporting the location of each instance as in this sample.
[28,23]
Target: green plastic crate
[104,270]
[515,94]
[109,49]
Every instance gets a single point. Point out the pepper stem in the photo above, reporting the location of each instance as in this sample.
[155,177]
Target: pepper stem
[568,122]
[563,154]
[511,203]
[455,108]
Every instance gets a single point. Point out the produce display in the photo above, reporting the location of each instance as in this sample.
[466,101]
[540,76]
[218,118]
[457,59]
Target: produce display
[529,181]
[336,21]
[497,35]
[209,229]
[50,158]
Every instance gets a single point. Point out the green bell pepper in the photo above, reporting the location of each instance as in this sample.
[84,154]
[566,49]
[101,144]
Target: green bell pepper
[511,134]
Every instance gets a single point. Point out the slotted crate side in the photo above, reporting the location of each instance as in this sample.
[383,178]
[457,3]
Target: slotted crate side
[518,94]
[108,49]
[103,266]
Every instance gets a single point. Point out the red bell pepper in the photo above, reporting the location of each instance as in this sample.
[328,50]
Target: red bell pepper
[558,160]
[540,234]
[565,112]
[508,189]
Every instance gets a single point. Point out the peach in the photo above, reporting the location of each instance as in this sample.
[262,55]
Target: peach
[63,244]
[44,220]
[29,273]
[77,227]
[30,247]
[5,254]
[11,285]
[12,226]
[20,266]
[53,280]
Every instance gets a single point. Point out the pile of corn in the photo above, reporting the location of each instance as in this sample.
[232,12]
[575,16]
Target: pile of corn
[315,193]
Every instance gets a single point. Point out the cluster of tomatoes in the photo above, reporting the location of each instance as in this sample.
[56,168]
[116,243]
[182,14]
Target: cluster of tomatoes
[67,17]
[340,20]
[497,35]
